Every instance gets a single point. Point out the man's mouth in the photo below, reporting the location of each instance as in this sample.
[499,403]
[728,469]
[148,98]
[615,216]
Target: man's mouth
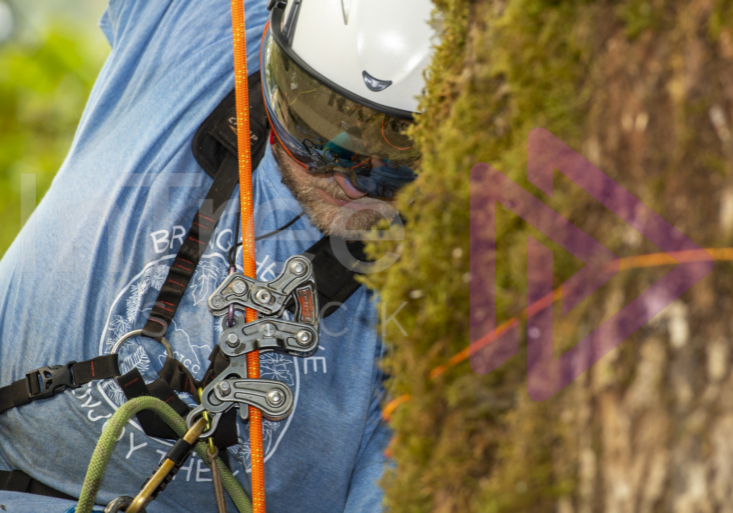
[362,204]
[351,191]
[345,195]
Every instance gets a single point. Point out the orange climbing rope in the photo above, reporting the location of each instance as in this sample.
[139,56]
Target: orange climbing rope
[248,242]
[634,262]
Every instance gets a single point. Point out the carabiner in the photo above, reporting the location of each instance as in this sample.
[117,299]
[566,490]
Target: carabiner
[205,414]
[120,503]
[197,412]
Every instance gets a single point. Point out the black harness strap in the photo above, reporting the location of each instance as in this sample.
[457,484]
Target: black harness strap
[19,481]
[215,149]
[48,381]
[335,282]
[101,367]
[132,385]
[193,247]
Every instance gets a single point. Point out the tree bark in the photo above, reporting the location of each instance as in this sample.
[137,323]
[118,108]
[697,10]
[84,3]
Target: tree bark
[644,91]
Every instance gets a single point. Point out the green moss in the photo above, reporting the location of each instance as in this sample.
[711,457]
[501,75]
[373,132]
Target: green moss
[467,442]
[640,15]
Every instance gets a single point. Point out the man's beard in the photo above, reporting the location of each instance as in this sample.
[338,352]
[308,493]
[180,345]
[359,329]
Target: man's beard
[329,218]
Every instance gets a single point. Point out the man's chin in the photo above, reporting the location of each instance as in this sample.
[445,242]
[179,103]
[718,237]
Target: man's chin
[364,203]
[349,219]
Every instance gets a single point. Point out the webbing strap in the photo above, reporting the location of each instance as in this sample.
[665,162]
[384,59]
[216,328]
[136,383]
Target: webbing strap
[215,149]
[178,376]
[132,385]
[19,481]
[193,247]
[48,381]
[101,367]
[334,281]
[174,376]
[219,362]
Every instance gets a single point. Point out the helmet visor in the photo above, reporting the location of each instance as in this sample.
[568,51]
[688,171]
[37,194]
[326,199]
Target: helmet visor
[329,133]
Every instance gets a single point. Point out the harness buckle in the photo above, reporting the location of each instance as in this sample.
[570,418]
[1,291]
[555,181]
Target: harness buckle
[52,380]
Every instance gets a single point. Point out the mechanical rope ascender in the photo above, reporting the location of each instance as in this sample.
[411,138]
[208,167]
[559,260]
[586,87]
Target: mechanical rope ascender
[235,386]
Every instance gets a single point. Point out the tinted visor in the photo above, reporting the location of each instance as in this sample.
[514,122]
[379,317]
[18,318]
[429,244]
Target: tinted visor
[329,133]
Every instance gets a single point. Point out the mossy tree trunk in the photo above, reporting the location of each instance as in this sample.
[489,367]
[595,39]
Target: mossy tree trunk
[643,90]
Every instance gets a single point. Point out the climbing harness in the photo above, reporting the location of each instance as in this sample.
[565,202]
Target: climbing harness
[311,286]
[232,387]
[338,120]
[253,314]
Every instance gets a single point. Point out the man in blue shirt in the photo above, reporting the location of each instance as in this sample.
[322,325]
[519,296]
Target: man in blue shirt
[89,264]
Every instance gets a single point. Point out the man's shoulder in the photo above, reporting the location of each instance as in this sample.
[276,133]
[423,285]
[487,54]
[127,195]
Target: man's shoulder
[126,22]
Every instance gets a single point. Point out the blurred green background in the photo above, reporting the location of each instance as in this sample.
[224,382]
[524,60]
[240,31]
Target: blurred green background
[50,54]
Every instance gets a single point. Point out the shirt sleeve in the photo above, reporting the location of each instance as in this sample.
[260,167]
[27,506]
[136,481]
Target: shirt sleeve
[125,16]
[173,29]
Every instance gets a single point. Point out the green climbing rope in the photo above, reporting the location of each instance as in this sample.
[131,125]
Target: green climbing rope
[110,435]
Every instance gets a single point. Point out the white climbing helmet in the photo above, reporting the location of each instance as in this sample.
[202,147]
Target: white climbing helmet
[341,81]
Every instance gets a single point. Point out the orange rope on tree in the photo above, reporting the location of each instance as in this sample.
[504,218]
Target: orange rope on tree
[257,455]
[634,262]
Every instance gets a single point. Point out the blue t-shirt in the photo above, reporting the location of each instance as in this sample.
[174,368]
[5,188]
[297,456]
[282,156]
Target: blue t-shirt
[88,265]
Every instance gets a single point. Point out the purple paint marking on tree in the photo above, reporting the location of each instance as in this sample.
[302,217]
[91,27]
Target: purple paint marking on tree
[545,374]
